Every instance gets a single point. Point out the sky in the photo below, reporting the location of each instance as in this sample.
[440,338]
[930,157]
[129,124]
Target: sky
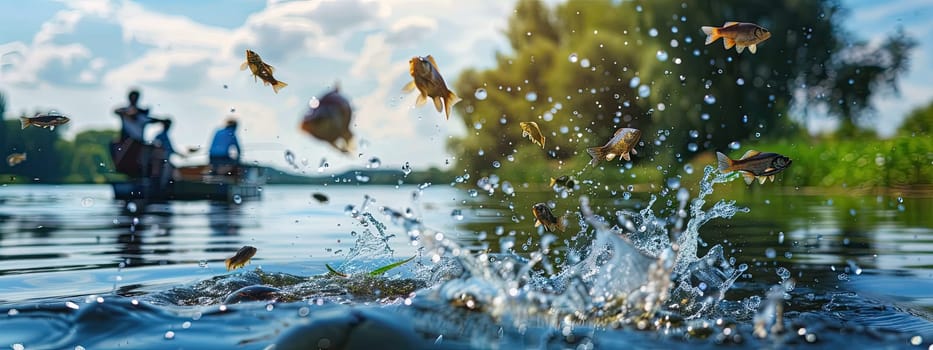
[81,57]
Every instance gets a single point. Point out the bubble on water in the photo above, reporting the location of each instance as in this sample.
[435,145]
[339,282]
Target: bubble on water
[169,335]
[740,81]
[709,99]
[694,134]
[531,96]
[323,165]
[652,32]
[72,305]
[770,253]
[585,63]
[304,311]
[783,273]
[673,183]
[704,116]
[661,55]
[314,102]
[644,91]
[496,164]
[573,57]
[131,207]
[688,168]
[634,82]
[692,147]
[472,192]
[290,158]
[374,163]
[79,347]
[406,168]
[916,340]
[17,346]
[237,199]
[202,263]
[480,94]
[507,188]
[457,214]
[734,145]
[87,202]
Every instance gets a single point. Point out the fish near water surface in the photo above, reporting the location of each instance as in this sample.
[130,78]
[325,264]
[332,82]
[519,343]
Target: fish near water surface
[754,165]
[621,144]
[241,257]
[738,34]
[430,84]
[261,70]
[330,121]
[544,216]
[532,132]
[15,158]
[49,120]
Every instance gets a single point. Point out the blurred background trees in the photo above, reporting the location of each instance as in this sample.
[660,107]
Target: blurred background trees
[584,68]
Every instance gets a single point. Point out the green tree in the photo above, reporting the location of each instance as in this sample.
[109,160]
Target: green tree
[918,123]
[585,68]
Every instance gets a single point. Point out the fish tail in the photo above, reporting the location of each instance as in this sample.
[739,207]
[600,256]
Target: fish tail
[597,153]
[553,182]
[712,33]
[450,101]
[229,264]
[278,86]
[24,122]
[561,223]
[725,164]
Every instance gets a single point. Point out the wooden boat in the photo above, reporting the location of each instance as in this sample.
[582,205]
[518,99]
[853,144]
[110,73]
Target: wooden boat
[143,164]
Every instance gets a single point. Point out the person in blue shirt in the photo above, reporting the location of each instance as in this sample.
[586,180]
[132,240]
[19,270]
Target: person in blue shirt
[225,143]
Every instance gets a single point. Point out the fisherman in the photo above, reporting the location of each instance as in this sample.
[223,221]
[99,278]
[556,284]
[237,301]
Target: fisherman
[162,153]
[132,144]
[134,119]
[220,153]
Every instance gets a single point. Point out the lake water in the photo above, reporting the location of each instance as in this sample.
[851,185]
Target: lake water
[80,270]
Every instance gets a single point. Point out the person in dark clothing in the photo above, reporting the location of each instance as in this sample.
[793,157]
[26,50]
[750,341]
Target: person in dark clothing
[225,151]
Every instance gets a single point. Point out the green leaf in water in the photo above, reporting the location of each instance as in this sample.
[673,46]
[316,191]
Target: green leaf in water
[388,267]
[335,272]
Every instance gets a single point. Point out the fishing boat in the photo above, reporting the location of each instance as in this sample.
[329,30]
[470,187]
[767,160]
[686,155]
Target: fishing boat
[144,165]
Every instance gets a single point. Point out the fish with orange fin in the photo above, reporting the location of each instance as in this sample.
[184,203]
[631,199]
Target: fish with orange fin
[532,132]
[621,144]
[241,257]
[430,84]
[754,165]
[48,120]
[738,34]
[16,158]
[544,216]
[261,70]
[330,121]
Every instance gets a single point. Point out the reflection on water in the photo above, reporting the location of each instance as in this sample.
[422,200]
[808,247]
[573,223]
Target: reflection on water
[860,265]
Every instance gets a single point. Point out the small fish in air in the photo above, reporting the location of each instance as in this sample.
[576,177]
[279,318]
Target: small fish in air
[49,120]
[241,257]
[544,216]
[15,158]
[564,181]
[330,121]
[261,70]
[429,82]
[532,132]
[621,144]
[320,197]
[738,34]
[754,165]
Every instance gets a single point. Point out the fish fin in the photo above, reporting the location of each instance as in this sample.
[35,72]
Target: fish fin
[24,122]
[278,86]
[621,130]
[433,63]
[543,139]
[729,24]
[762,179]
[229,264]
[728,43]
[270,68]
[553,182]
[725,164]
[749,154]
[749,178]
[439,105]
[768,170]
[611,156]
[597,153]
[450,101]
[560,225]
[753,48]
[634,151]
[712,34]
[627,157]
[537,222]
[739,48]
[771,177]
[422,99]
[409,87]
[244,65]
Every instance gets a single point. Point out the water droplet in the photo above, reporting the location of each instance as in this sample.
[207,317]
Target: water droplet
[374,163]
[323,165]
[783,273]
[673,183]
[87,202]
[740,81]
[202,263]
[290,158]
[585,63]
[131,206]
[770,253]
[734,145]
[661,55]
[314,102]
[531,96]
[634,82]
[688,168]
[644,91]
[916,340]
[406,168]
[573,58]
[237,199]
[457,214]
[709,99]
[169,335]
[652,32]
[186,325]
[17,346]
[480,94]
[496,164]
